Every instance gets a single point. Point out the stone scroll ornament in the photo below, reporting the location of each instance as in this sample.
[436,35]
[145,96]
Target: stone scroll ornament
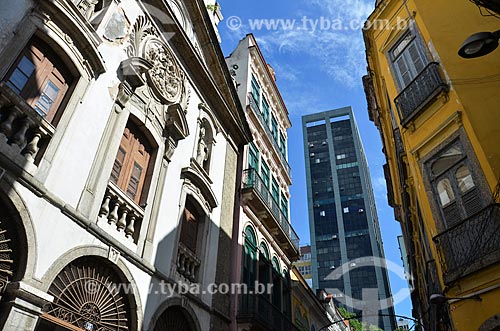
[164,74]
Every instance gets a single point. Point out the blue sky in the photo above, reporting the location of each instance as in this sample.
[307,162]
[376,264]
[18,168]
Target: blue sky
[316,48]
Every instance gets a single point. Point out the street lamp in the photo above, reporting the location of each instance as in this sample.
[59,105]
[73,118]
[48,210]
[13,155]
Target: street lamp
[479,44]
[439,299]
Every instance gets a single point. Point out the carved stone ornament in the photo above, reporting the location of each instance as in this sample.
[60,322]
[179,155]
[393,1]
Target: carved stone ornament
[164,74]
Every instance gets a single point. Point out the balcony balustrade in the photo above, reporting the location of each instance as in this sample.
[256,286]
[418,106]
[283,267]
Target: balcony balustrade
[252,183]
[188,264]
[255,107]
[23,130]
[260,314]
[423,89]
[470,245]
[122,213]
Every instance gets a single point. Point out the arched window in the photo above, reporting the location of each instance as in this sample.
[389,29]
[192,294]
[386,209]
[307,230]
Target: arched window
[287,294]
[133,164]
[264,266]
[41,78]
[87,295]
[455,186]
[277,285]
[191,241]
[190,224]
[249,258]
[175,318]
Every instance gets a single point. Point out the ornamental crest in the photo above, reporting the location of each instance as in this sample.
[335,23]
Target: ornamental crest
[162,71]
[165,77]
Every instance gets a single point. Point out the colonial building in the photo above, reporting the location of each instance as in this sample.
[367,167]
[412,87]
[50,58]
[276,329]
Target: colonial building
[267,244]
[121,134]
[311,311]
[438,116]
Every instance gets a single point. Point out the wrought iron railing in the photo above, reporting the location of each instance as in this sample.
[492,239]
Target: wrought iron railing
[254,105]
[423,89]
[257,309]
[251,179]
[470,245]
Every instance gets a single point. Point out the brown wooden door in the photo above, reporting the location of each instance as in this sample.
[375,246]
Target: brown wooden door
[132,163]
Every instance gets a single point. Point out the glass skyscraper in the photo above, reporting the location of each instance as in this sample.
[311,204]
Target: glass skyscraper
[347,251]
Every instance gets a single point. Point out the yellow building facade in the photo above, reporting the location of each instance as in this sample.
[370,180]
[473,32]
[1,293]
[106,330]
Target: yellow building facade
[439,118]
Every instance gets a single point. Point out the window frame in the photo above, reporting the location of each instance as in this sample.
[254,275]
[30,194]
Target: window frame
[253,153]
[266,110]
[430,181]
[48,67]
[265,173]
[404,54]
[255,90]
[123,180]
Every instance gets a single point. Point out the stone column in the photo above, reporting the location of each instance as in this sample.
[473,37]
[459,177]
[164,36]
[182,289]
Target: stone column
[22,310]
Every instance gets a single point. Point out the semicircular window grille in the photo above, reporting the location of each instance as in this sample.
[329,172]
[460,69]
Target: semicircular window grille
[8,253]
[89,295]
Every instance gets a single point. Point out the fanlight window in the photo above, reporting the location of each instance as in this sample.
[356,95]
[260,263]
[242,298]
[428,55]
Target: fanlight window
[8,253]
[464,179]
[446,160]
[445,192]
[87,295]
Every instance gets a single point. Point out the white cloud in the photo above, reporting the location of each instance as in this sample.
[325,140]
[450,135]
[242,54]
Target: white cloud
[339,51]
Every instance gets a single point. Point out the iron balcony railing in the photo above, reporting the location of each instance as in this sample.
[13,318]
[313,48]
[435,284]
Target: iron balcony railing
[470,245]
[423,89]
[251,179]
[255,107]
[257,309]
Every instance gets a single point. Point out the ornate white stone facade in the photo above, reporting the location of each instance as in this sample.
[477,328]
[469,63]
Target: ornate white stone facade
[79,250]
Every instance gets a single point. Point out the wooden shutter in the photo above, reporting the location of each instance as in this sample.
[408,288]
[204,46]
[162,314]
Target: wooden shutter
[41,78]
[189,229]
[404,73]
[132,163]
[416,58]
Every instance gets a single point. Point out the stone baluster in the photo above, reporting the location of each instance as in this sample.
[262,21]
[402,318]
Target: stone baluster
[187,266]
[122,222]
[6,126]
[129,231]
[192,271]
[113,216]
[104,211]
[19,137]
[32,147]
[181,266]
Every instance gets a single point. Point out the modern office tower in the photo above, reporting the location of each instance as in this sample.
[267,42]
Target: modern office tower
[344,227]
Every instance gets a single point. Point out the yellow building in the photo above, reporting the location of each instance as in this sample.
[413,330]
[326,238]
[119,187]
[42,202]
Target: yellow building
[439,117]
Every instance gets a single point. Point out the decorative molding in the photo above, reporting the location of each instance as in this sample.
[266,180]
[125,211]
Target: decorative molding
[200,186]
[158,83]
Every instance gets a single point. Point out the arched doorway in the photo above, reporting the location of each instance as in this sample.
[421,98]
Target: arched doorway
[89,294]
[175,318]
[12,246]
